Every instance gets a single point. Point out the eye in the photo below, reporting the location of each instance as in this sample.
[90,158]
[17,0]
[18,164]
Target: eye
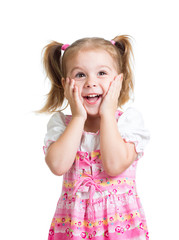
[102,73]
[80,75]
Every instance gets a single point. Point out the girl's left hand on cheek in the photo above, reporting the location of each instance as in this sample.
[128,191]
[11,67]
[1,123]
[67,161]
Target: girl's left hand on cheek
[109,103]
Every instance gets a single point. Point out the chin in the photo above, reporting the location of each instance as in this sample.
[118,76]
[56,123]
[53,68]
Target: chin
[93,113]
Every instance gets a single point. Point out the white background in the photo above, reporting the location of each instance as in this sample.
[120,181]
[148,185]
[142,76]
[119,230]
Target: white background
[29,191]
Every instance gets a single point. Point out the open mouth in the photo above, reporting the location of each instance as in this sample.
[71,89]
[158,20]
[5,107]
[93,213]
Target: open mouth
[92,98]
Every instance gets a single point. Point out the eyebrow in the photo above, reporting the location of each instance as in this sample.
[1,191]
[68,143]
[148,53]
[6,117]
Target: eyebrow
[100,66]
[74,69]
[104,66]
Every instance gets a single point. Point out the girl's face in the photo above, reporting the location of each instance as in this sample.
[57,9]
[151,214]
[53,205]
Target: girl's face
[93,71]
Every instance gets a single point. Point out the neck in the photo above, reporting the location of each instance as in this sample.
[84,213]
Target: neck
[92,124]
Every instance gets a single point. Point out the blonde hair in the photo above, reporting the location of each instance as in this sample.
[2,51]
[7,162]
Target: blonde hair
[55,66]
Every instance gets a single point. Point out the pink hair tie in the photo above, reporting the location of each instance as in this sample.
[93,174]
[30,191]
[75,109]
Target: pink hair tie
[65,46]
[113,42]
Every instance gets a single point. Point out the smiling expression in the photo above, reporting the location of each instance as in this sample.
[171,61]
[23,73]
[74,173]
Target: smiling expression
[93,71]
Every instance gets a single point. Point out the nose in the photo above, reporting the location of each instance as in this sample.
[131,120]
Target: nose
[90,82]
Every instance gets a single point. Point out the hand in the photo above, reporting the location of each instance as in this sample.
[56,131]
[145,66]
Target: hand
[72,95]
[110,101]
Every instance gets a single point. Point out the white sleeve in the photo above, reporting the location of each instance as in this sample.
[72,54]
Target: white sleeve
[131,128]
[55,127]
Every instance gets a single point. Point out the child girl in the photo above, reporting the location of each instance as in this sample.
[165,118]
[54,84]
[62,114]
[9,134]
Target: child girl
[97,147]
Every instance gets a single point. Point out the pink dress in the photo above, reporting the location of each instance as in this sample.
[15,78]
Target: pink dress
[94,205]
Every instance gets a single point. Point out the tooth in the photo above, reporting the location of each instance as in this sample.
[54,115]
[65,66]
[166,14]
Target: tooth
[92,95]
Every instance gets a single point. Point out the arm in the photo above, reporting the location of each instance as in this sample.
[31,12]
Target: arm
[116,155]
[61,154]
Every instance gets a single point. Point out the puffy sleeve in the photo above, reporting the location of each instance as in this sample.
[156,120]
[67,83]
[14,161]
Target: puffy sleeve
[132,129]
[55,127]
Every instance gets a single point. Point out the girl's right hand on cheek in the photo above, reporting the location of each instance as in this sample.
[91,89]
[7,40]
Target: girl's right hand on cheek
[72,95]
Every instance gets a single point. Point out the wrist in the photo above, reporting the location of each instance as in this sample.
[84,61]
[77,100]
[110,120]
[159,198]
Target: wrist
[107,120]
[107,115]
[79,118]
[79,114]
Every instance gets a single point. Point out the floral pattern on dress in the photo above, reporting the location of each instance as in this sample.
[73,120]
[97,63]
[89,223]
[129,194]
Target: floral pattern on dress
[94,205]
[115,214]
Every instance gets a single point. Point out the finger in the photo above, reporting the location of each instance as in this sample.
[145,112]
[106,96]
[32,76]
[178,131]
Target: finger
[121,80]
[111,88]
[115,87]
[75,93]
[118,81]
[66,83]
[71,86]
[78,97]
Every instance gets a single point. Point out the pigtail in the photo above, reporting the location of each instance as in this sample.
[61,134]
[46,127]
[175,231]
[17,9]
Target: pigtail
[52,66]
[54,63]
[124,46]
